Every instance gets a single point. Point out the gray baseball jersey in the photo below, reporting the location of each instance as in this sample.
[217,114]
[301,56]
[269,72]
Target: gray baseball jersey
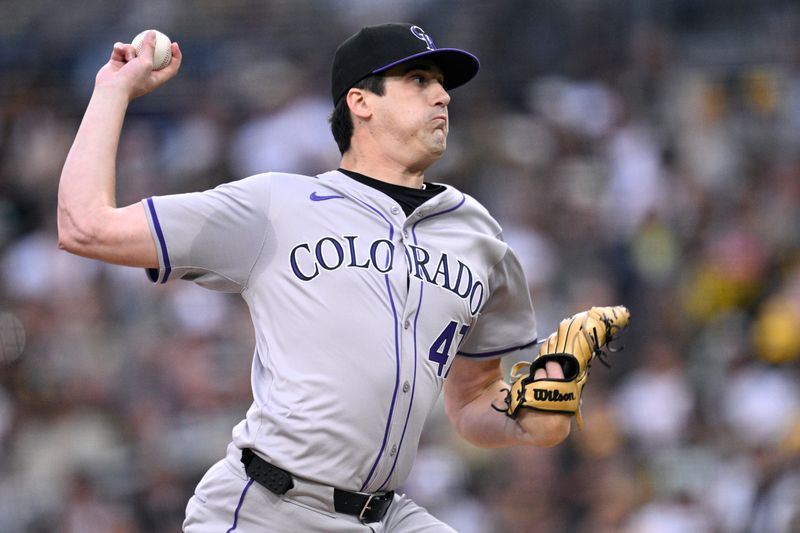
[358,310]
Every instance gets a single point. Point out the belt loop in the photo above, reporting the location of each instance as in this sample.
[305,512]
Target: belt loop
[276,480]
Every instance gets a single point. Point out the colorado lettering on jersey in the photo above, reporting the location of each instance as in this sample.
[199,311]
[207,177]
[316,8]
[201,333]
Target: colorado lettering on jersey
[460,282]
[331,253]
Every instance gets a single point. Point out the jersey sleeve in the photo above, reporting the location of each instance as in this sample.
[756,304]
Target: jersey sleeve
[214,237]
[507,321]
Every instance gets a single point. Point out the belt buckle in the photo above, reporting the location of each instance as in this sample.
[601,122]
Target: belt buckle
[366,507]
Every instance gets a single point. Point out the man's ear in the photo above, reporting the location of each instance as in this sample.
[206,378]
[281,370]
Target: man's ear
[358,102]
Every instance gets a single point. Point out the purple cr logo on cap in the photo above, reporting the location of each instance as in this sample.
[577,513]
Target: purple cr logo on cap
[420,34]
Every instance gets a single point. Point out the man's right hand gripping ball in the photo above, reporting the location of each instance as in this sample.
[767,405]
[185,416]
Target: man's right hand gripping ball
[579,340]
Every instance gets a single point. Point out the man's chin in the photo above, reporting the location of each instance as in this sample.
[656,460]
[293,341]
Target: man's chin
[438,147]
[437,154]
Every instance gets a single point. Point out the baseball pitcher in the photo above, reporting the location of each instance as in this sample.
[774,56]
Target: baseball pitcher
[371,290]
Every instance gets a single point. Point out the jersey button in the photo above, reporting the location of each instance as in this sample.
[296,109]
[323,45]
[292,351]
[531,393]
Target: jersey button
[407,324]
[393,450]
[405,234]
[395,210]
[406,386]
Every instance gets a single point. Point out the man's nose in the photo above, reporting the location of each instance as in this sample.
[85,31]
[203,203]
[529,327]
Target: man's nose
[442,97]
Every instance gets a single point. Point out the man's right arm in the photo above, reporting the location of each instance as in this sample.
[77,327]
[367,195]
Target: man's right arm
[89,222]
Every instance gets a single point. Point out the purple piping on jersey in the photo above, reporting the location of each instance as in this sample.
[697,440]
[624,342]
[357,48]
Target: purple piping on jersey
[416,318]
[239,506]
[396,355]
[161,241]
[414,227]
[413,387]
[377,212]
[394,393]
[499,352]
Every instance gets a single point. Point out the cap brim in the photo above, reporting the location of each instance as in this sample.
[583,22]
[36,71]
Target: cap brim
[458,66]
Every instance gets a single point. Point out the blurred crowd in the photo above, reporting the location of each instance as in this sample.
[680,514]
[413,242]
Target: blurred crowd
[644,153]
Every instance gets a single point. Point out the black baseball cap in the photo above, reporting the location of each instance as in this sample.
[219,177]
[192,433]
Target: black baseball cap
[375,49]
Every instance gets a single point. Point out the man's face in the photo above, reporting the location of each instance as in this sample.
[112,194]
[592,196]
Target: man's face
[411,116]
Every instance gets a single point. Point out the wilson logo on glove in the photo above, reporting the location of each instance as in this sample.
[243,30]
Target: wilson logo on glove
[544,395]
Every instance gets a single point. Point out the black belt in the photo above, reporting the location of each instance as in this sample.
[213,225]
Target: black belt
[367,507]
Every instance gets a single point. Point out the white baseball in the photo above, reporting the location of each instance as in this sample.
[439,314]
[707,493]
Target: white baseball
[162,54]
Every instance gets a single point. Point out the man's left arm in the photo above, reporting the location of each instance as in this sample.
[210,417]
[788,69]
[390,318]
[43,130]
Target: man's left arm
[474,391]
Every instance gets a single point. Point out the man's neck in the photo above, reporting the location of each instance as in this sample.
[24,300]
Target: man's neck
[386,170]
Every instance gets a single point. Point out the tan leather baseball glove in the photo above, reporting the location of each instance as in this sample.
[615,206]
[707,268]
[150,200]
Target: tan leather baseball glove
[578,341]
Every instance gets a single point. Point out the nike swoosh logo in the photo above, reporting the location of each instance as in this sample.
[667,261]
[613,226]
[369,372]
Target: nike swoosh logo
[314,197]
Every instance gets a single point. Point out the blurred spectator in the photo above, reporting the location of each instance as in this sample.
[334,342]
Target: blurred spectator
[654,404]
[295,138]
[758,419]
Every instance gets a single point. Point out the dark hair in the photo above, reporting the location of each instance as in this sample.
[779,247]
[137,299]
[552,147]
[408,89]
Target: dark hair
[341,120]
